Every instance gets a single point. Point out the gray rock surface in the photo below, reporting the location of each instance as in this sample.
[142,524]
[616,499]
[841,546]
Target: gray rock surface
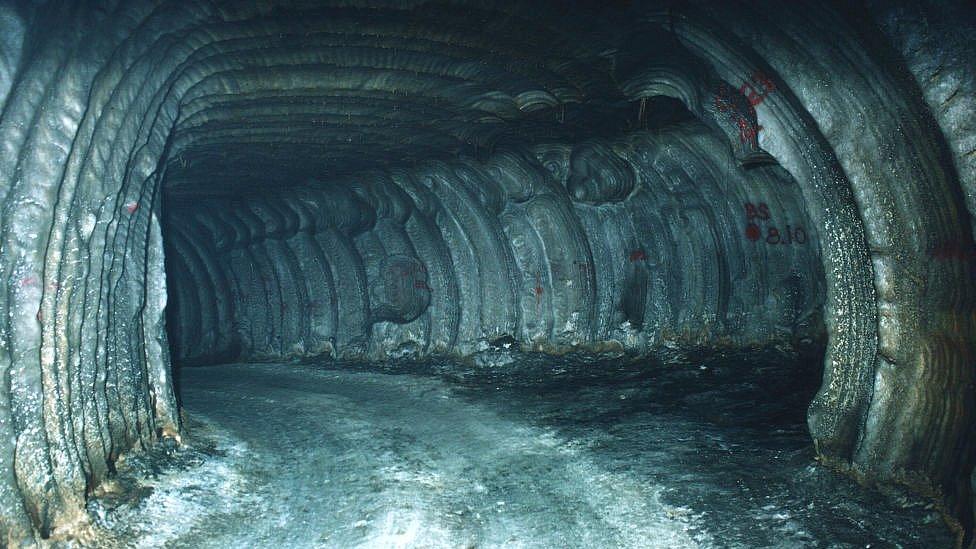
[553,178]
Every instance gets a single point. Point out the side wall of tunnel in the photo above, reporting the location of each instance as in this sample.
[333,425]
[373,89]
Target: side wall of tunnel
[917,382]
[657,242]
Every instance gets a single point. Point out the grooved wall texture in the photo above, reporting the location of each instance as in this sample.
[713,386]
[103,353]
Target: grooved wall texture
[371,178]
[656,241]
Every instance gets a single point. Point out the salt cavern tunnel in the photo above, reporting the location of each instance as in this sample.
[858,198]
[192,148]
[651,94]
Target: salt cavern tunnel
[487,273]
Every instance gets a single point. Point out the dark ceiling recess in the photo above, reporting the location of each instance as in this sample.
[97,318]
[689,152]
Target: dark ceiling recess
[202,183]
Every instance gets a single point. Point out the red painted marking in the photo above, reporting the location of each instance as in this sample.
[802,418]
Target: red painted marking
[758,89]
[723,99]
[131,207]
[752,232]
[791,235]
[538,291]
[28,281]
[637,255]
[755,97]
[755,91]
[765,82]
[757,211]
[747,132]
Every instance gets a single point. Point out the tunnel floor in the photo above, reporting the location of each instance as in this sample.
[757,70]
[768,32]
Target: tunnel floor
[711,454]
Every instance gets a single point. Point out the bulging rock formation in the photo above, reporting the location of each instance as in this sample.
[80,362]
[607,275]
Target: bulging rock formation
[201,182]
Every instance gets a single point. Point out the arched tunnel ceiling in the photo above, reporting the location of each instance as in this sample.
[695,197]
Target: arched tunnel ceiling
[295,93]
[240,112]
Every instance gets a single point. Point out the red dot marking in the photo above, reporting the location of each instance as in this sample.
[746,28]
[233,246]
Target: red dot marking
[131,207]
[752,232]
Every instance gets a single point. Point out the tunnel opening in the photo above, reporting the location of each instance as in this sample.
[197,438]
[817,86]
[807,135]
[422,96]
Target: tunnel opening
[621,273]
[485,273]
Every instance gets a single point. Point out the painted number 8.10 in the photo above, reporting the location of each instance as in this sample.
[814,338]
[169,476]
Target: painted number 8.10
[789,236]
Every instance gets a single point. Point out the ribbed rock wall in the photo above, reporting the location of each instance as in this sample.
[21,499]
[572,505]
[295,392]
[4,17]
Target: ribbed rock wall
[413,119]
[653,242]
[914,383]
[939,56]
